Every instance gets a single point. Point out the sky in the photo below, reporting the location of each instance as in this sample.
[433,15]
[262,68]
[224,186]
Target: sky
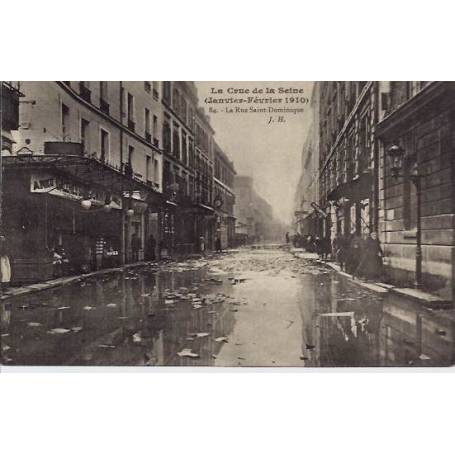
[270,153]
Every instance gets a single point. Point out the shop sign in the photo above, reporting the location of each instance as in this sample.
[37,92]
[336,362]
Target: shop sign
[64,187]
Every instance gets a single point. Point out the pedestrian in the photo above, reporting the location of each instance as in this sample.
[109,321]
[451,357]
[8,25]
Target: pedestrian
[135,247]
[341,250]
[218,244]
[370,265]
[318,246]
[202,244]
[355,248]
[326,247]
[287,238]
[150,249]
[5,265]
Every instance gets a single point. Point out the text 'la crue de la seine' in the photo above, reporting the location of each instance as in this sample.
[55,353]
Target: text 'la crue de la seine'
[235,100]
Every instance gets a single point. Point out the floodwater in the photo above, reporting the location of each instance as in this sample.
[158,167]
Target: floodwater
[246,308]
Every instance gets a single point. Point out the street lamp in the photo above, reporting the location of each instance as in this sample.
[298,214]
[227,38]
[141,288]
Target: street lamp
[396,156]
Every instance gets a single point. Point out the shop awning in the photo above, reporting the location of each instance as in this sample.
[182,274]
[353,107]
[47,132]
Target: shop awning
[86,170]
[357,189]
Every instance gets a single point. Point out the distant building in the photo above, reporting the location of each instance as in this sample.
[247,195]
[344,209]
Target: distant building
[253,214]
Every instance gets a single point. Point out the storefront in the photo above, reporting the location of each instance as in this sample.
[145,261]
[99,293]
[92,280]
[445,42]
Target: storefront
[66,215]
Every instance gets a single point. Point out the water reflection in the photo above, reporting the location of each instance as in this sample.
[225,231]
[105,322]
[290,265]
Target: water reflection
[297,314]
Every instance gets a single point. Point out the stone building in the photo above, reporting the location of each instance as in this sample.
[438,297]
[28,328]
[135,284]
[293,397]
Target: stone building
[85,171]
[179,102]
[307,221]
[420,118]
[224,197]
[348,154]
[254,215]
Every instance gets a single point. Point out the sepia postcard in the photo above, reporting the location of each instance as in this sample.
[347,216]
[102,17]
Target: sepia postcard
[227,224]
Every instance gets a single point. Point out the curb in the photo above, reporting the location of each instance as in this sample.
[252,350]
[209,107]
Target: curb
[420,297]
[46,285]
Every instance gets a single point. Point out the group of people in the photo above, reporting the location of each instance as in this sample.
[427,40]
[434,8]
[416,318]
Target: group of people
[357,255]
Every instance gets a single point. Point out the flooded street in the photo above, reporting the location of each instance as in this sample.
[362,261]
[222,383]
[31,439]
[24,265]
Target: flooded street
[245,308]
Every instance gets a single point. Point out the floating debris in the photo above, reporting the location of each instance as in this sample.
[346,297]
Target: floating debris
[188,353]
[34,324]
[58,331]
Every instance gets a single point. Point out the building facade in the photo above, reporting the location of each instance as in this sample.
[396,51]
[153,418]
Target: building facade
[307,221]
[420,118]
[348,152]
[254,219]
[179,103]
[111,165]
[359,123]
[224,197]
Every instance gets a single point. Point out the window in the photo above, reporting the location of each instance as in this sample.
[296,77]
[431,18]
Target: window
[65,119]
[155,171]
[84,91]
[167,91]
[147,86]
[104,139]
[175,100]
[130,111]
[184,149]
[191,153]
[103,90]
[155,90]
[155,129]
[85,124]
[104,105]
[191,118]
[148,136]
[176,142]
[183,107]
[167,137]
[130,155]
[148,164]
[410,195]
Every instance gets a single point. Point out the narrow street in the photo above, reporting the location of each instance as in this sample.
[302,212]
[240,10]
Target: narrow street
[259,307]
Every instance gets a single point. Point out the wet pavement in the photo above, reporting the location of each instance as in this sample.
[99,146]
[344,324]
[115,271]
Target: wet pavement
[245,308]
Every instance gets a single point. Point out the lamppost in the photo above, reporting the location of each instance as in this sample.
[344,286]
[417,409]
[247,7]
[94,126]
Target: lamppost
[396,156]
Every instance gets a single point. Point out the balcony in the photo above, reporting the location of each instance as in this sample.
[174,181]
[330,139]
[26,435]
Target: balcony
[148,137]
[131,125]
[85,92]
[104,106]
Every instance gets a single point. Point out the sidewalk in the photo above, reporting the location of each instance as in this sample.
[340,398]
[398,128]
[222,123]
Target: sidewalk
[37,287]
[424,298]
